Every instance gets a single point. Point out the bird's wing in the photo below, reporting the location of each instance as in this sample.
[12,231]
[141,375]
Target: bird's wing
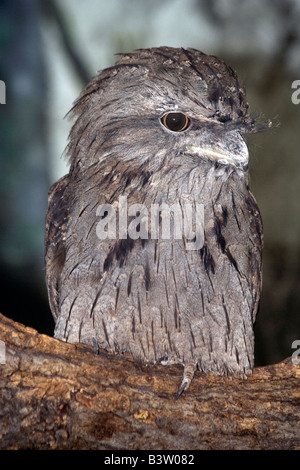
[55,239]
[256,229]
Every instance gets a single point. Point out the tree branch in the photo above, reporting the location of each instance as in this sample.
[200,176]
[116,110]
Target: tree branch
[55,395]
[52,11]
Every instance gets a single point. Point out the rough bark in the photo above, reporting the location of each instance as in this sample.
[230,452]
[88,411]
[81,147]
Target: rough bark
[55,395]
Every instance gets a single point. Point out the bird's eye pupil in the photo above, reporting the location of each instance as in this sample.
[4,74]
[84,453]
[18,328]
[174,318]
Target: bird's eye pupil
[176,122]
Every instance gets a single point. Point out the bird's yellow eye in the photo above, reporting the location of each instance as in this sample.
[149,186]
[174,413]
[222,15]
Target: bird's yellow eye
[176,122]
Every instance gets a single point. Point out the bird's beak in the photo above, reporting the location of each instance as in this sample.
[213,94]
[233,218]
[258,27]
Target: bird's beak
[231,150]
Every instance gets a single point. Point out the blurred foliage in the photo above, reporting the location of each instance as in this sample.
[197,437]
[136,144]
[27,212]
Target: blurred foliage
[24,158]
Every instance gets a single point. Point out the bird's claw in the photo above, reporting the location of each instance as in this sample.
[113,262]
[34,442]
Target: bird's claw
[188,375]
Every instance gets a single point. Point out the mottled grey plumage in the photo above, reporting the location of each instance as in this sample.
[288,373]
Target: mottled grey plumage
[153,297]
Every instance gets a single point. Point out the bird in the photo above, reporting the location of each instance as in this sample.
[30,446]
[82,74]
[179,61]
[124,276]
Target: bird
[153,240]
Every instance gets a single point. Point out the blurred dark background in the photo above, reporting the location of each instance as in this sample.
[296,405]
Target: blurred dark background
[49,50]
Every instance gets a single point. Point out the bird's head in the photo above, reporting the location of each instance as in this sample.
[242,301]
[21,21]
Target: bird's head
[159,103]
